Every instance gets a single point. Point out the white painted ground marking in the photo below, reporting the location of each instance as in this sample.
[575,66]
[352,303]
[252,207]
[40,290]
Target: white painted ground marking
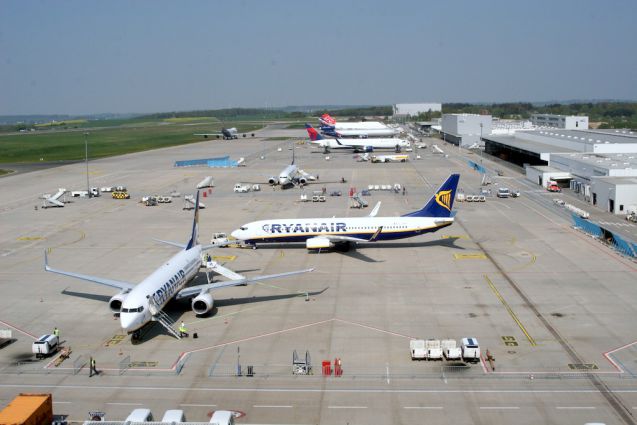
[198,405]
[347,407]
[125,404]
[499,407]
[424,407]
[268,406]
[575,407]
[61,402]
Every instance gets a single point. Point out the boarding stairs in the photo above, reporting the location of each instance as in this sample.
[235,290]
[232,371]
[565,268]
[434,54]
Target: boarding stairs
[357,201]
[163,319]
[214,267]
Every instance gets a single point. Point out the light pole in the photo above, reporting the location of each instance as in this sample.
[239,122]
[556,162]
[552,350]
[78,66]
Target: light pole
[88,187]
[479,144]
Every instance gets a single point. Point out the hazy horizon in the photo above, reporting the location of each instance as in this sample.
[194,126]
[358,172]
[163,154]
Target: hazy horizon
[81,58]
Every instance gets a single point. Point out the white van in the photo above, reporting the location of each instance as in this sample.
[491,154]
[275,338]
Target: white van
[140,415]
[174,416]
[222,417]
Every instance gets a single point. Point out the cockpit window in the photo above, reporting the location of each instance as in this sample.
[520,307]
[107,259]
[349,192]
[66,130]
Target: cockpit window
[243,228]
[133,310]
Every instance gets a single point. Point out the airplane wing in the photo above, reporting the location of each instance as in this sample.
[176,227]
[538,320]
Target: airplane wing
[339,238]
[171,243]
[194,290]
[54,202]
[208,134]
[107,282]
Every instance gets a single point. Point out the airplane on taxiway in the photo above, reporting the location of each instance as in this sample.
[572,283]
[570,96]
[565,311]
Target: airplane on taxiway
[319,233]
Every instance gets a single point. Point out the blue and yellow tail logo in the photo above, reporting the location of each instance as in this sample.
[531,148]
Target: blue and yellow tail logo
[443,198]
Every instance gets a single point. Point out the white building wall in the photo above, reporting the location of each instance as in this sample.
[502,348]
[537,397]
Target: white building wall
[413,109]
[623,195]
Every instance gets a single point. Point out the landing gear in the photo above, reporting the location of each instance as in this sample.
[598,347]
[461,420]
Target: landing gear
[254,246]
[136,336]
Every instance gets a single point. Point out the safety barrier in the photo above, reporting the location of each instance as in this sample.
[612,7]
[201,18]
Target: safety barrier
[479,168]
[607,236]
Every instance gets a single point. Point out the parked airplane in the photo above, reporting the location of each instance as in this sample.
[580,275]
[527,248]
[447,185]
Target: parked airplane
[291,175]
[54,200]
[342,232]
[360,129]
[140,304]
[358,145]
[227,133]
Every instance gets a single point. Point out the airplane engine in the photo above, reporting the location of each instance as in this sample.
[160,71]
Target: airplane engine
[273,180]
[318,243]
[115,303]
[202,303]
[302,180]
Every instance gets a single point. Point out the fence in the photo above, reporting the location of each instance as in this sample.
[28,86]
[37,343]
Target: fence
[626,248]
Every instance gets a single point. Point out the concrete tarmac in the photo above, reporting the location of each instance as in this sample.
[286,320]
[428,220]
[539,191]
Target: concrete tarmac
[554,307]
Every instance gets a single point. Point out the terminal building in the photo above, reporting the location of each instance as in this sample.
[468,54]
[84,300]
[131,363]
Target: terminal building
[598,165]
[566,122]
[465,129]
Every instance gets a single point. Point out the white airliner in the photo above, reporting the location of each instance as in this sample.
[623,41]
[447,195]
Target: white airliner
[318,233]
[358,145]
[291,175]
[361,129]
[227,133]
[139,304]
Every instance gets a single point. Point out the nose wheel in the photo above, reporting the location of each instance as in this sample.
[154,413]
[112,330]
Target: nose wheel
[136,336]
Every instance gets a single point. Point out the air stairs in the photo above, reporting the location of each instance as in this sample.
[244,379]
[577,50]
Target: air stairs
[357,201]
[163,319]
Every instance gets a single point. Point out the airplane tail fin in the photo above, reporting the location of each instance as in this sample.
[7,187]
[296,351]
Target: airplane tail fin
[441,203]
[195,226]
[326,119]
[311,131]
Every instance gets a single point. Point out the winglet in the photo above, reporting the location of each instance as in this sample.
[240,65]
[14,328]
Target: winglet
[375,210]
[46,260]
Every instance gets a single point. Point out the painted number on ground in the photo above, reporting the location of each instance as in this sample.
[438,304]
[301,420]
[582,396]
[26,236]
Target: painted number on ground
[509,341]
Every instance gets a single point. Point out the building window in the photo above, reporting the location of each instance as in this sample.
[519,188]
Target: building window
[621,207]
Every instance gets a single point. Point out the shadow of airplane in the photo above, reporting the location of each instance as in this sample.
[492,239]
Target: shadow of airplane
[95,297]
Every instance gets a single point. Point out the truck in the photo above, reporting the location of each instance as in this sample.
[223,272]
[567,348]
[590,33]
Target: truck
[417,348]
[552,186]
[45,346]
[241,188]
[28,409]
[450,350]
[79,193]
[470,350]
[503,192]
[434,350]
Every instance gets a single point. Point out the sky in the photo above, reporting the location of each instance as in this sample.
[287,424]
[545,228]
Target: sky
[83,57]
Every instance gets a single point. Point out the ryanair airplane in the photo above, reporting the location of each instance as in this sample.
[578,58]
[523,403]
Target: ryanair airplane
[319,233]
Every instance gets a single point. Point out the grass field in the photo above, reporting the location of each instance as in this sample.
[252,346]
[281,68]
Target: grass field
[127,138]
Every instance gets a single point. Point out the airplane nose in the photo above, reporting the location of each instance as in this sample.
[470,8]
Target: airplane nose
[236,234]
[128,321]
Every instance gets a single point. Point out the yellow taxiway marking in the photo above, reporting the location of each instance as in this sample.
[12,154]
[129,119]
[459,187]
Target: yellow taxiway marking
[116,339]
[224,257]
[510,311]
[475,256]
[30,238]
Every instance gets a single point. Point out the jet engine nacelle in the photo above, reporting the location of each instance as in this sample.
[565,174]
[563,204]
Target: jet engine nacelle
[202,303]
[318,243]
[116,301]
[302,180]
[273,180]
